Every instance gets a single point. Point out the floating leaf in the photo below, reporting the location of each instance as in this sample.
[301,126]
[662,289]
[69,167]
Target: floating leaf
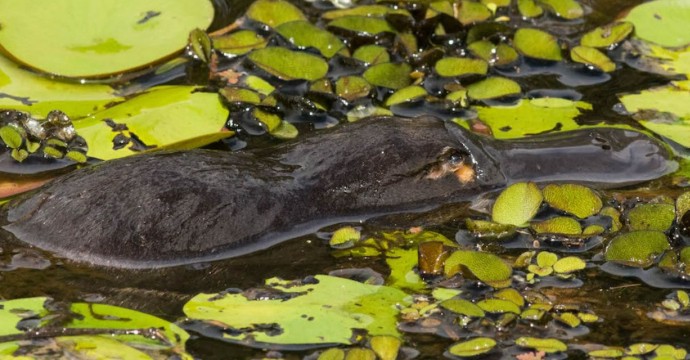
[651,217]
[545,345]
[606,353]
[364,10]
[569,319]
[607,35]
[304,35]
[240,95]
[90,39]
[274,12]
[537,44]
[332,354]
[389,75]
[498,306]
[546,259]
[472,347]
[456,66]
[324,311]
[640,348]
[362,25]
[592,57]
[490,230]
[171,117]
[239,42]
[682,205]
[637,248]
[13,136]
[406,94]
[567,9]
[511,295]
[463,307]
[558,225]
[386,347]
[663,22]
[575,199]
[344,237]
[517,204]
[472,12]
[372,54]
[615,216]
[529,8]
[499,55]
[569,264]
[486,267]
[544,114]
[352,88]
[492,88]
[289,65]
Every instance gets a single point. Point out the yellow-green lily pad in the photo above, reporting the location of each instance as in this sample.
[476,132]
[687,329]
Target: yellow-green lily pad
[568,265]
[372,54]
[274,12]
[473,12]
[575,199]
[607,35]
[239,42]
[486,267]
[492,88]
[406,94]
[457,66]
[637,248]
[592,57]
[545,345]
[304,34]
[537,44]
[362,25]
[651,217]
[500,55]
[389,75]
[463,307]
[567,9]
[663,22]
[352,87]
[558,225]
[472,347]
[517,204]
[289,65]
[529,8]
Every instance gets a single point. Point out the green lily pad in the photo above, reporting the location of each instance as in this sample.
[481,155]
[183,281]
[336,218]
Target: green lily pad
[324,311]
[372,54]
[389,75]
[544,114]
[606,353]
[575,199]
[289,65]
[457,66]
[498,306]
[607,35]
[592,57]
[386,347]
[545,345]
[537,44]
[88,39]
[274,12]
[615,216]
[637,248]
[486,267]
[490,230]
[492,88]
[569,264]
[500,55]
[569,319]
[559,225]
[529,8]
[517,204]
[172,117]
[463,307]
[304,34]
[567,9]
[364,10]
[473,12]
[240,95]
[651,217]
[362,25]
[546,259]
[239,42]
[406,94]
[352,87]
[663,22]
[511,295]
[472,347]
[640,348]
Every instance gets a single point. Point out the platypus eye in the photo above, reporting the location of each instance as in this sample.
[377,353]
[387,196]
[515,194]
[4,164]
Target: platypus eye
[454,157]
[454,161]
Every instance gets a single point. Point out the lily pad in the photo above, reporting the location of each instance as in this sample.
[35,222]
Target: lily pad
[657,217]
[274,12]
[406,94]
[95,39]
[239,42]
[500,55]
[682,205]
[559,225]
[529,8]
[303,34]
[592,57]
[575,199]
[363,25]
[517,204]
[463,307]
[545,345]
[492,88]
[173,117]
[344,237]
[637,248]
[325,310]
[372,54]
[389,75]
[486,267]
[498,306]
[567,9]
[289,65]
[473,12]
[472,347]
[352,87]
[663,22]
[537,44]
[386,347]
[607,35]
[456,66]
[568,265]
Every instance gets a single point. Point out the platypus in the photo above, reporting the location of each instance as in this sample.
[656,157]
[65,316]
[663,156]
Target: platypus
[172,208]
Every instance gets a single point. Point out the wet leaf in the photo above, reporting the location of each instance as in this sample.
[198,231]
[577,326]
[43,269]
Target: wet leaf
[640,349]
[499,55]
[200,44]
[490,230]
[362,25]
[110,36]
[607,35]
[352,88]
[651,217]
[324,311]
[13,136]
[569,264]
[360,354]
[385,347]
[569,319]
[575,199]
[332,354]
[171,117]
[592,57]
[289,65]
[529,8]
[567,9]
[545,114]
[457,66]
[637,248]
[472,347]
[546,259]
[240,95]
[517,204]
[663,22]
[498,306]
[239,42]
[389,75]
[372,54]
[537,44]
[682,205]
[472,12]
[615,216]
[344,237]
[492,88]
[558,225]
[546,345]
[606,353]
[364,10]
[304,35]
[274,12]
[406,94]
[463,307]
[259,85]
[486,267]
[511,295]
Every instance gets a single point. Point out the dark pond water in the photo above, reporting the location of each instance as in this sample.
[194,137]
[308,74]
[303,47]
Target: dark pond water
[622,301]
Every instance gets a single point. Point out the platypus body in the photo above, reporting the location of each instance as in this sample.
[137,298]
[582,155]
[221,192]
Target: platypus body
[176,208]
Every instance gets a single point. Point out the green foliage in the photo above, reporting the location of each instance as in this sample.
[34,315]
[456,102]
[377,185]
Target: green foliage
[575,199]
[517,204]
[637,248]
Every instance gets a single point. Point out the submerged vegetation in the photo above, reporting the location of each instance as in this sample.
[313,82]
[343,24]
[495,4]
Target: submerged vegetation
[533,272]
